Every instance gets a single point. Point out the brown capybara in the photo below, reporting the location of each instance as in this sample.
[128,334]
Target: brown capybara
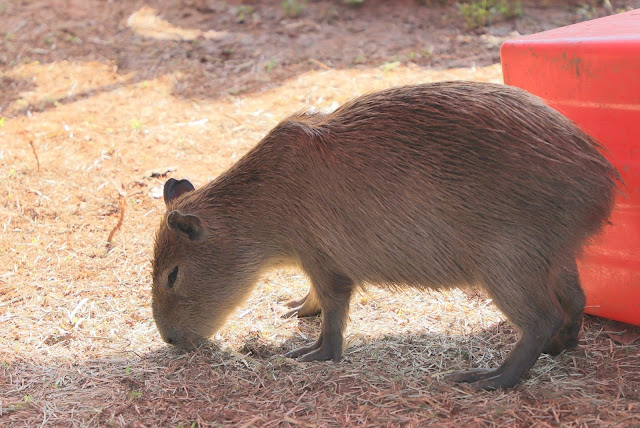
[429,186]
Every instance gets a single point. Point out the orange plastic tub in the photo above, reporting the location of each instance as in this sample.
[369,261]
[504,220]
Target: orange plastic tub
[591,73]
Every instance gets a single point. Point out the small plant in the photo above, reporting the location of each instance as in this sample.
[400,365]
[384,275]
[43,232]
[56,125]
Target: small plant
[293,8]
[133,395]
[427,52]
[243,12]
[330,15]
[474,14]
[135,124]
[389,66]
[479,13]
[432,2]
[2,119]
[354,2]
[510,8]
[75,40]
[587,11]
[270,66]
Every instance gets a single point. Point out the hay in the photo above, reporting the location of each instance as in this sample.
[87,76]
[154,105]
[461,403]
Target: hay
[122,204]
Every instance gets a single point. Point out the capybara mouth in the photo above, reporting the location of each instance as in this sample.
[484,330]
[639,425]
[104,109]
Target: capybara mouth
[183,341]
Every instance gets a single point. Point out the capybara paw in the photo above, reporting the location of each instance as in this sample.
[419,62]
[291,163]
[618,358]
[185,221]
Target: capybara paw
[555,346]
[289,314]
[295,303]
[321,354]
[567,338]
[468,376]
[301,351]
[302,312]
[495,382]
[483,379]
[308,311]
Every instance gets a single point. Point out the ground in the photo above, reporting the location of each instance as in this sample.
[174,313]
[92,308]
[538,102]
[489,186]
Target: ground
[102,101]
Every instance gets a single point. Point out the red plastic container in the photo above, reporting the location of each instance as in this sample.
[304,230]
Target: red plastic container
[591,73]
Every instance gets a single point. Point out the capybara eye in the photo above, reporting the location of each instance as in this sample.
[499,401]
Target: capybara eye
[172,277]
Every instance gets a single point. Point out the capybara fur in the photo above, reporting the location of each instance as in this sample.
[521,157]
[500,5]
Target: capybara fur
[429,186]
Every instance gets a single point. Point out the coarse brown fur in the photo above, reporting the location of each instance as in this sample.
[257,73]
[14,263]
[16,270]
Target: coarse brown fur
[428,186]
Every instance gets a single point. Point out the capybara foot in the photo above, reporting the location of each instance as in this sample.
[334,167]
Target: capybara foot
[483,378]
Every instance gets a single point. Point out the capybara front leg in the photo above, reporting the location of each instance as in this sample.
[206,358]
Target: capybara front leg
[307,306]
[333,295]
[572,300]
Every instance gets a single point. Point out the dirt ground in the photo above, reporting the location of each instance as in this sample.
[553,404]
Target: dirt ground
[101,101]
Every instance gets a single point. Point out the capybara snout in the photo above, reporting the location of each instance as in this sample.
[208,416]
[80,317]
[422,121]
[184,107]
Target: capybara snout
[428,186]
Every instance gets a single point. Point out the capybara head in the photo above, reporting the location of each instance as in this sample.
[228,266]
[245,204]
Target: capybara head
[196,279]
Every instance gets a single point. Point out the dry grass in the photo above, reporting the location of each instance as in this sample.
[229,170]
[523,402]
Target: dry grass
[78,346]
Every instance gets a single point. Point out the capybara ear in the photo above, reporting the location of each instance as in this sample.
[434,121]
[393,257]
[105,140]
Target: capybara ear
[174,188]
[188,224]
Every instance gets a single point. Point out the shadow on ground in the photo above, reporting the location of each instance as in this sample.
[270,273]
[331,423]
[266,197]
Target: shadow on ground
[215,49]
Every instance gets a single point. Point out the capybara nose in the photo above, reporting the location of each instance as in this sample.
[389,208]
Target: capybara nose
[178,342]
[171,336]
[182,340]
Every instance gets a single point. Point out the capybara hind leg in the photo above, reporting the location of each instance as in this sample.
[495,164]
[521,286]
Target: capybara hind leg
[308,306]
[333,292]
[521,358]
[572,299]
[565,339]
[528,303]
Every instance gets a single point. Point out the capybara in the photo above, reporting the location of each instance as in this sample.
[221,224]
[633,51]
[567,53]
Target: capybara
[429,186]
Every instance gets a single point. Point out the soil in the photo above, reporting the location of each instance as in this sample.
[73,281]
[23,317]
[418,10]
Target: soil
[102,100]
[234,47]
